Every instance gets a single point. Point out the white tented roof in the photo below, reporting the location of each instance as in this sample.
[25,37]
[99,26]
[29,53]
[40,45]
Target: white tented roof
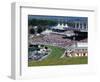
[60,26]
[47,31]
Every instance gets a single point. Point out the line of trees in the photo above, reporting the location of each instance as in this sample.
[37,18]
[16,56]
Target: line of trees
[40,22]
[41,25]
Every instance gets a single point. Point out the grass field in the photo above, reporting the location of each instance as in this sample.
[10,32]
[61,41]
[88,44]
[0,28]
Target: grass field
[54,59]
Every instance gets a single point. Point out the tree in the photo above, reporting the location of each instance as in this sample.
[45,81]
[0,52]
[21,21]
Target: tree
[39,30]
[71,24]
[32,31]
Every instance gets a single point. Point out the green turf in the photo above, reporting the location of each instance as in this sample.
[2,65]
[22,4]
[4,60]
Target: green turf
[54,59]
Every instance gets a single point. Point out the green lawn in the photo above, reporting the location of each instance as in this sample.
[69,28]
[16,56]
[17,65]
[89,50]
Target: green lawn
[54,59]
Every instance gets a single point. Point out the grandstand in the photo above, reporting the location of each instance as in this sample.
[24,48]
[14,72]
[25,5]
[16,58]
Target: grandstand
[76,50]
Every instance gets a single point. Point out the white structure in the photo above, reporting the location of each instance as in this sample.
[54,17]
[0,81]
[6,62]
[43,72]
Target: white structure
[66,25]
[46,32]
[81,44]
[60,26]
[79,50]
[69,33]
[80,25]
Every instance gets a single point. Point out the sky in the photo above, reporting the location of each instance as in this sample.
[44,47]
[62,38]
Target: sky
[59,18]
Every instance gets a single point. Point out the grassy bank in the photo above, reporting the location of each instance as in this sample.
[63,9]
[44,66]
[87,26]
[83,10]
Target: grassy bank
[54,59]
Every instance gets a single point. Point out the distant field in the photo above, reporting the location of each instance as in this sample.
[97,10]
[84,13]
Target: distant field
[54,59]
